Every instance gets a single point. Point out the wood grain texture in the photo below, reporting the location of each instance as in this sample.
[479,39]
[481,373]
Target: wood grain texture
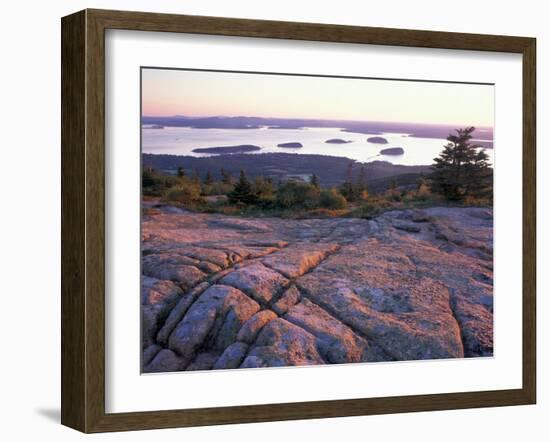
[529,221]
[83,220]
[73,255]
[144,21]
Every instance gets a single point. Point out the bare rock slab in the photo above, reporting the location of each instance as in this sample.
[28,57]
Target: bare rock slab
[289,298]
[165,361]
[337,342]
[257,281]
[154,291]
[172,267]
[476,323]
[213,321]
[281,344]
[158,297]
[149,353]
[296,260]
[232,357]
[252,327]
[417,325]
[212,255]
[177,313]
[203,361]
[224,292]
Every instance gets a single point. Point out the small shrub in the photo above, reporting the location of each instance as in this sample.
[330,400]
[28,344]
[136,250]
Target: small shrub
[155,184]
[185,193]
[422,192]
[263,188]
[373,207]
[297,194]
[330,199]
[216,188]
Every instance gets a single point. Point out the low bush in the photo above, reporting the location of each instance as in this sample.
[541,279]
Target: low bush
[331,199]
[293,194]
[155,184]
[373,207]
[216,188]
[185,193]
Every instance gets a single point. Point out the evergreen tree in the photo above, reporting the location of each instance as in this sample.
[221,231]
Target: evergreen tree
[181,172]
[480,176]
[196,178]
[314,181]
[461,170]
[208,180]
[242,193]
[148,176]
[347,189]
[226,177]
[361,190]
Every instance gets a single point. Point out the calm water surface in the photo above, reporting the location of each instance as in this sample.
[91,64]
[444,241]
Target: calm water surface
[182,140]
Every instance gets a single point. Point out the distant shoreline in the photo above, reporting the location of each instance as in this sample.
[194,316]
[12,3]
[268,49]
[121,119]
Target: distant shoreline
[484,135]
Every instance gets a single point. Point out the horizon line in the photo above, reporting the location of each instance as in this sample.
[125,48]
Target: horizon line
[317,119]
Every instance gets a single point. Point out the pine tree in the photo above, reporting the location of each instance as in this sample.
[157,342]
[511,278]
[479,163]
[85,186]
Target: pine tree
[208,180]
[479,176]
[242,193]
[314,181]
[181,172]
[346,189]
[196,178]
[226,177]
[461,170]
[361,190]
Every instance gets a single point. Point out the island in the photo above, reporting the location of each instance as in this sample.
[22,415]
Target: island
[228,149]
[392,151]
[154,126]
[338,141]
[293,145]
[377,140]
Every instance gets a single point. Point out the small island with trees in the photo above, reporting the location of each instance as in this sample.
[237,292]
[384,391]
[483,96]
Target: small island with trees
[293,144]
[228,149]
[392,151]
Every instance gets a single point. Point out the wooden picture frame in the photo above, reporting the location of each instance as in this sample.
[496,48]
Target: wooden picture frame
[83,220]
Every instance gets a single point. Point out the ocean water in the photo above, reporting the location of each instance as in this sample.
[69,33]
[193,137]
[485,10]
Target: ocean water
[182,141]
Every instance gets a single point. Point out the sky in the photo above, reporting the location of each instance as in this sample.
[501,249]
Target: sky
[200,93]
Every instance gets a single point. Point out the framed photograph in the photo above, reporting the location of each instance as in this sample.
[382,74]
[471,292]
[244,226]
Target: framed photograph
[266,221]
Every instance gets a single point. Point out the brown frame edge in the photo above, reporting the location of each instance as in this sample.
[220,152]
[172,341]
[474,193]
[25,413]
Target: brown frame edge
[83,216]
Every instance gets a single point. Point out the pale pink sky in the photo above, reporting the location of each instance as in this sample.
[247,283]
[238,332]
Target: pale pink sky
[198,93]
